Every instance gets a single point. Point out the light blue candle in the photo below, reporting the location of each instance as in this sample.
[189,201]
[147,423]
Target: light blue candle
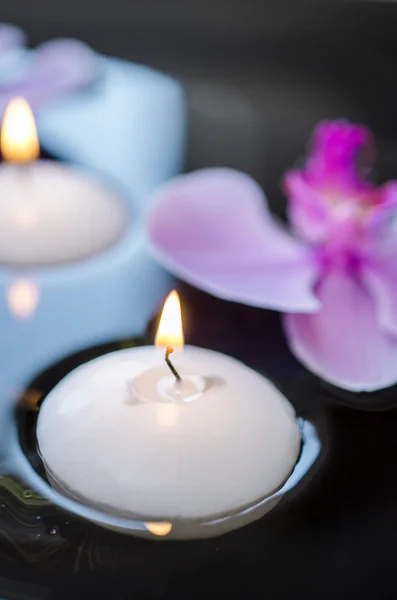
[127,130]
[129,126]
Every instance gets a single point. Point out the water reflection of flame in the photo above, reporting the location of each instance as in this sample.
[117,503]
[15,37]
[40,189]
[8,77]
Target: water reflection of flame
[23,298]
[160,529]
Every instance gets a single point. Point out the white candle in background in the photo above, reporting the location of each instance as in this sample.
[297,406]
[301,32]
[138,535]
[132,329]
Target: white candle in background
[49,213]
[121,433]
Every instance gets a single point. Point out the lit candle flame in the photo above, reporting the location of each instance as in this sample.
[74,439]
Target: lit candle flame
[19,142]
[160,529]
[170,330]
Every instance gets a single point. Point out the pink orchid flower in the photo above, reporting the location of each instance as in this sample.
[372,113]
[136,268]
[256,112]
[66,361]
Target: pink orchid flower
[334,275]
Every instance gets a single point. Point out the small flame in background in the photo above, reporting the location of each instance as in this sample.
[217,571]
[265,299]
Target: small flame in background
[170,330]
[159,529]
[23,298]
[19,141]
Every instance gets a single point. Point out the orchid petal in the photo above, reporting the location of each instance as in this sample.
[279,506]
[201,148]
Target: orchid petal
[310,216]
[388,195]
[333,165]
[343,343]
[212,228]
[59,66]
[10,37]
[381,281]
[68,62]
[381,216]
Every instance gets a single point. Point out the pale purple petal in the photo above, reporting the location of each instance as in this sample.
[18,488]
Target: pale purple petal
[343,343]
[379,228]
[65,61]
[309,214]
[59,67]
[382,212]
[381,281]
[212,228]
[10,37]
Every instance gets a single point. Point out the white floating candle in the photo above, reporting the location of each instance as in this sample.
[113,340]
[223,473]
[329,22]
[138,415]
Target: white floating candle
[49,213]
[120,433]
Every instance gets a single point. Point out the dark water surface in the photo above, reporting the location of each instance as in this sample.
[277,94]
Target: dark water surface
[336,532]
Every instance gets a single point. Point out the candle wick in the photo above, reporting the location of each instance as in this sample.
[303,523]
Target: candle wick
[169,350]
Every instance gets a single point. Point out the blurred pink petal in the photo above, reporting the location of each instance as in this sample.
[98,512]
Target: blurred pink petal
[310,216]
[381,215]
[381,281]
[58,67]
[64,62]
[342,343]
[341,154]
[10,37]
[213,229]
[331,188]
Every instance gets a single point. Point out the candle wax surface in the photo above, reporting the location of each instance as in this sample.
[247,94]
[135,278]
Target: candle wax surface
[119,434]
[51,214]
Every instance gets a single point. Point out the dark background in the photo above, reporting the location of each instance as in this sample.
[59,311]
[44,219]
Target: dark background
[258,76]
[258,73]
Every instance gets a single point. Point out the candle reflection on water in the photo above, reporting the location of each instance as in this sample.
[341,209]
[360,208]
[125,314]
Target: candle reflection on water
[23,298]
